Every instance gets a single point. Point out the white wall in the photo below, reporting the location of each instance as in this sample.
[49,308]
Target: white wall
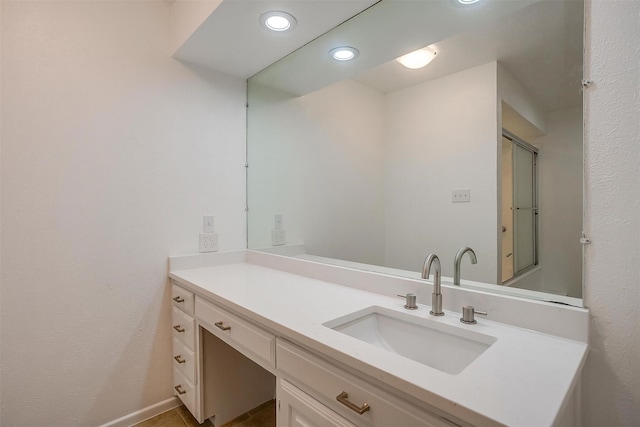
[512,92]
[558,137]
[611,386]
[111,153]
[560,195]
[186,17]
[90,98]
[333,146]
[350,148]
[442,135]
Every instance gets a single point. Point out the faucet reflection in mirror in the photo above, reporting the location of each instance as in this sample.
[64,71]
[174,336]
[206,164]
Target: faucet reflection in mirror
[458,260]
[364,166]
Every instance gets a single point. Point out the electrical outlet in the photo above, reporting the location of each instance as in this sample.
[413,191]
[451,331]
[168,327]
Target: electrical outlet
[278,237]
[277,223]
[208,242]
[207,224]
[461,196]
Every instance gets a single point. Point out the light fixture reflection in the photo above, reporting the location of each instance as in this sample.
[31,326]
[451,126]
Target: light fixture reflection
[344,53]
[276,20]
[418,58]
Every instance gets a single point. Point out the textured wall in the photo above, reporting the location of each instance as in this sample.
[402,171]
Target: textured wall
[611,384]
[111,153]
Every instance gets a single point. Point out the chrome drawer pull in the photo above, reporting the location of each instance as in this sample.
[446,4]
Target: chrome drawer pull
[344,399]
[178,328]
[220,325]
[179,359]
[178,299]
[180,390]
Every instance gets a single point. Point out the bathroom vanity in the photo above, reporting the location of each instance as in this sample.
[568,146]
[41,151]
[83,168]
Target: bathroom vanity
[313,336]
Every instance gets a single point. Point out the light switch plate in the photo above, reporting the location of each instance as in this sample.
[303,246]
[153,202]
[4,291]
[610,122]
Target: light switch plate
[461,195]
[207,224]
[277,222]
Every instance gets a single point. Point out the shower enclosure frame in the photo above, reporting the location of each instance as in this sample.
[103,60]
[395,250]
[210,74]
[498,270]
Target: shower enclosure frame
[521,144]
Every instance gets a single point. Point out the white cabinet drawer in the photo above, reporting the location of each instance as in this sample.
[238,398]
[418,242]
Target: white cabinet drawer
[346,394]
[183,360]
[298,409]
[236,331]
[183,327]
[182,298]
[185,390]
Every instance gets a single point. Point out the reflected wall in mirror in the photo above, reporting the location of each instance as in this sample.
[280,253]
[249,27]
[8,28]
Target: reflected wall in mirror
[365,162]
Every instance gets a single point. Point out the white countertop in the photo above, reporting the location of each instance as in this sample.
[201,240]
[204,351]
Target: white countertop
[522,380]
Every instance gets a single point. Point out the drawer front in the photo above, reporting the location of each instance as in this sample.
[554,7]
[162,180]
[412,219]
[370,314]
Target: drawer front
[298,409]
[182,298]
[183,327]
[346,394]
[183,360]
[185,390]
[234,330]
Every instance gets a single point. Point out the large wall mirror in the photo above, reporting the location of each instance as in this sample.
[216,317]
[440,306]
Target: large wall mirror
[369,164]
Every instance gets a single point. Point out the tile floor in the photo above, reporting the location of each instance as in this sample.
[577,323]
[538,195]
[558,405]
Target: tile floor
[262,416]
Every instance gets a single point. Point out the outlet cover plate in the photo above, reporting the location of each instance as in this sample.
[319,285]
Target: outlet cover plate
[278,237]
[208,242]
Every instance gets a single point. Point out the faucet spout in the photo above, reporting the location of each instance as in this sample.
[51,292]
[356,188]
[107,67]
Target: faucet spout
[436,296]
[458,261]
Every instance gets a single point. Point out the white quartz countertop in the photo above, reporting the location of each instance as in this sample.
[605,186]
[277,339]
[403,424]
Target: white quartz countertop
[523,379]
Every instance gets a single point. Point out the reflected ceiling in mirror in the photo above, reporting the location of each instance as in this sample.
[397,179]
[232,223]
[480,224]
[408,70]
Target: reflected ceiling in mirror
[363,162]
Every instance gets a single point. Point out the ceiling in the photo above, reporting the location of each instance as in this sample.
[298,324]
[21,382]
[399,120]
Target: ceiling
[538,42]
[540,45]
[232,41]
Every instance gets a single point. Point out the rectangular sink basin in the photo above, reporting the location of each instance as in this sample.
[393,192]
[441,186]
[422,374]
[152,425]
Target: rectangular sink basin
[441,346]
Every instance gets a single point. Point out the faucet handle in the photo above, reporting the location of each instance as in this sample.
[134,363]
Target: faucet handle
[468,315]
[410,303]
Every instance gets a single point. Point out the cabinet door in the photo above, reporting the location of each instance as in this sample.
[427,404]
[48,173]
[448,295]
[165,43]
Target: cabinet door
[298,409]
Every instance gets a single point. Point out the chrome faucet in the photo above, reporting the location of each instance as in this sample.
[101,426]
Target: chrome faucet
[436,296]
[458,260]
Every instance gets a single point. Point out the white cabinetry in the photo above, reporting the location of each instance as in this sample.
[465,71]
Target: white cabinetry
[184,349]
[353,399]
[251,340]
[298,409]
[225,365]
[218,359]
[245,329]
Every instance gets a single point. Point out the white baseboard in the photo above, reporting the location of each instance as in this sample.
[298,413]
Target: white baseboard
[145,413]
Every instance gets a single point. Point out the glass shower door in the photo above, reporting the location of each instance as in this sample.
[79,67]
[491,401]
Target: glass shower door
[519,207]
[525,208]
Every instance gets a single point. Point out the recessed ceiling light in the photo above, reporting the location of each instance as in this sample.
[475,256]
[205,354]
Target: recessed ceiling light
[276,20]
[418,58]
[344,53]
[466,2]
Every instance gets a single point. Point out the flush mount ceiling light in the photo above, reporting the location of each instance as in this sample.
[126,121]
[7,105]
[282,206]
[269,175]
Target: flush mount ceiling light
[418,58]
[344,53]
[276,20]
[467,2]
